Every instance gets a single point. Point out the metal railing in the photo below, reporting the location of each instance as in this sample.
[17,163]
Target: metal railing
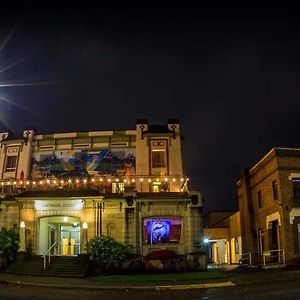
[273,256]
[245,259]
[48,253]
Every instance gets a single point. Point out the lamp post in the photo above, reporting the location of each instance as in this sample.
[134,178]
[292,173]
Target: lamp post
[84,237]
[22,245]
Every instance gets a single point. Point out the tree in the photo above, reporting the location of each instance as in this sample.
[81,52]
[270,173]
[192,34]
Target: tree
[108,253]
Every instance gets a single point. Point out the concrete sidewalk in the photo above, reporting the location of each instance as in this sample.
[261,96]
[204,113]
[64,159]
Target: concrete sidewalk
[91,283]
[234,277]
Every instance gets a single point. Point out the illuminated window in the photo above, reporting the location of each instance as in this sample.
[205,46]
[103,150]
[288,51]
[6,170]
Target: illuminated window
[11,163]
[162,231]
[158,158]
[236,246]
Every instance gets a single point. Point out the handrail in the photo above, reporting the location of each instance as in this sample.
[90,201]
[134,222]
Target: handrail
[48,252]
[277,253]
[245,257]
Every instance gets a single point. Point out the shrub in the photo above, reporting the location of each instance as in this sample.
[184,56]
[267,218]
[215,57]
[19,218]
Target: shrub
[9,244]
[168,258]
[107,253]
[161,255]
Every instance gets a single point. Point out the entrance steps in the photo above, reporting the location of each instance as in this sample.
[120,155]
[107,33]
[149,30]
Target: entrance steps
[60,266]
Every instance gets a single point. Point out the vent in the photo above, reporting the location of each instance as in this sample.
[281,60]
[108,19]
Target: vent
[81,146]
[124,144]
[49,147]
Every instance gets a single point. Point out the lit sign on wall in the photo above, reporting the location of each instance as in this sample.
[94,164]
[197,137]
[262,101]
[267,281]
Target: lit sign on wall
[58,204]
[162,230]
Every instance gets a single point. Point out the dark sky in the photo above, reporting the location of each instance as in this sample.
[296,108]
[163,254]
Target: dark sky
[230,73]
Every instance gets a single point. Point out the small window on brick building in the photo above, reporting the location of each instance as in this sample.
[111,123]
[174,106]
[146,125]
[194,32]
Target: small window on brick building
[259,199]
[296,188]
[275,189]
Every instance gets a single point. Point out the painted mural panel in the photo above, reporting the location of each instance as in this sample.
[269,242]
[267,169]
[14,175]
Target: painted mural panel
[117,162]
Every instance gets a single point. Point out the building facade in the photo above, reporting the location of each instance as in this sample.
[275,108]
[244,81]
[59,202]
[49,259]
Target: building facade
[268,195]
[222,234]
[67,188]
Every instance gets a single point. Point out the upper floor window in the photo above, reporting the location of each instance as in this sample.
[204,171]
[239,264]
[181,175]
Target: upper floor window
[275,189]
[259,199]
[11,163]
[158,158]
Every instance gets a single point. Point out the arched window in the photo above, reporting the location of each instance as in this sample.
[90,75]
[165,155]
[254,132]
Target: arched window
[111,230]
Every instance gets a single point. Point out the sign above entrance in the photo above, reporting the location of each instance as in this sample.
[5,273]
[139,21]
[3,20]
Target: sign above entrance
[58,204]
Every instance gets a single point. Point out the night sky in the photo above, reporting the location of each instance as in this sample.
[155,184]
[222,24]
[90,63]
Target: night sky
[230,74]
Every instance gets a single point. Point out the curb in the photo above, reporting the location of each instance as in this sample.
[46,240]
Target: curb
[126,288]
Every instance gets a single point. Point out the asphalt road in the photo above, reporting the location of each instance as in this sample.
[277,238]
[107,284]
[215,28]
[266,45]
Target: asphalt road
[273,290]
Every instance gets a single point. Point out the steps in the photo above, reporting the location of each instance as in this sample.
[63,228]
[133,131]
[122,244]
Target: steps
[60,266]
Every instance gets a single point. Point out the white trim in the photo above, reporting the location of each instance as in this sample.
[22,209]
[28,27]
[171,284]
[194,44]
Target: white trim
[295,212]
[273,217]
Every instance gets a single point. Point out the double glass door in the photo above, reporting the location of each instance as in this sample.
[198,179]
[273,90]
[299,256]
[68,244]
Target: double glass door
[69,241]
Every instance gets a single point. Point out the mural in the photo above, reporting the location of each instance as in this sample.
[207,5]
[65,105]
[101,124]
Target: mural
[161,231]
[119,162]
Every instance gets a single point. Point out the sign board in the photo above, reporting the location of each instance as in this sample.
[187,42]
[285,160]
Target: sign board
[58,204]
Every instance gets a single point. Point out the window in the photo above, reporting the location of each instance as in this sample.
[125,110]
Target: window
[111,230]
[259,199]
[11,163]
[162,231]
[158,158]
[236,246]
[275,189]
[261,241]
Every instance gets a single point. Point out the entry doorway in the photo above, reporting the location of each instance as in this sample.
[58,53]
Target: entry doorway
[70,240]
[61,234]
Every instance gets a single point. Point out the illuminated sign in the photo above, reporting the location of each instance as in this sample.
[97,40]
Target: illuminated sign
[58,204]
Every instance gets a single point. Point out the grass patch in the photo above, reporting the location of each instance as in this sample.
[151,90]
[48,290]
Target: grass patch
[189,276]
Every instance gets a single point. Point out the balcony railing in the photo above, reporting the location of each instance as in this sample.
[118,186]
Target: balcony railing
[104,183]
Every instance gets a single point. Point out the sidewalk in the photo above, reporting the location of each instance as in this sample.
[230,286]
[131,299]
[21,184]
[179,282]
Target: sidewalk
[92,283]
[235,277]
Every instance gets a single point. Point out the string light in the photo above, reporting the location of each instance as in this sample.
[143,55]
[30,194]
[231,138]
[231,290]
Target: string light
[130,179]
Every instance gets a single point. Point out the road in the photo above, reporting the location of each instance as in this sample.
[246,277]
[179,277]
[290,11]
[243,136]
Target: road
[275,290]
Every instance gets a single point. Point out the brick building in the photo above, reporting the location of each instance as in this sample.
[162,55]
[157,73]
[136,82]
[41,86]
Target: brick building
[268,196]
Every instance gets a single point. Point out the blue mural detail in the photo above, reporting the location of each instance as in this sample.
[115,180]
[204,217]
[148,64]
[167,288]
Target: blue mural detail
[158,231]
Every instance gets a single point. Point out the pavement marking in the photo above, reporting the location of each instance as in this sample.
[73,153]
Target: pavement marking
[195,286]
[161,287]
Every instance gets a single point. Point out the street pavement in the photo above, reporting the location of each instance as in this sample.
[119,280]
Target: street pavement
[249,284]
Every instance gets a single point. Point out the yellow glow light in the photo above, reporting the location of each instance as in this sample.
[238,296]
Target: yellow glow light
[174,179]
[84,180]
[41,182]
[149,180]
[141,179]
